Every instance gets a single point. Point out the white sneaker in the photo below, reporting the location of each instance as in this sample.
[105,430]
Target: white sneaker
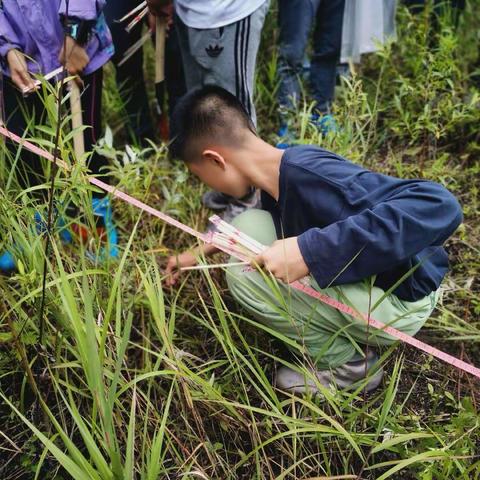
[344,377]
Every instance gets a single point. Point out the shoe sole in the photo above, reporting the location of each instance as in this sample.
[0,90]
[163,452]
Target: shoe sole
[372,384]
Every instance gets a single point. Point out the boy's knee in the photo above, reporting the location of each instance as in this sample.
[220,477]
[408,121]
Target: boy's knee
[257,224]
[405,317]
[249,290]
[247,217]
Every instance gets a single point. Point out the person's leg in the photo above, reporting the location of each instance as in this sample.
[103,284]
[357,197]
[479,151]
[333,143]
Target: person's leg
[22,113]
[194,75]
[224,56]
[329,337]
[174,74]
[250,28]
[295,19]
[92,118]
[253,26]
[326,52]
[192,69]
[283,309]
[173,88]
[129,75]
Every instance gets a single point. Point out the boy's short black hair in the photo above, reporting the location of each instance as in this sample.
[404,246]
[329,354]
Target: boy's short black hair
[208,112]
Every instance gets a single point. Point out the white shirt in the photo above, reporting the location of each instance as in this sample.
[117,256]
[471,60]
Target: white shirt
[205,14]
[367,24]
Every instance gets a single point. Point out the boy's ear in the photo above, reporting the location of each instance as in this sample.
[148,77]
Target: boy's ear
[214,157]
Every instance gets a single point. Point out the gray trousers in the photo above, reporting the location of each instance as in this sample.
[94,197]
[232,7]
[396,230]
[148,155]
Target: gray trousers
[224,56]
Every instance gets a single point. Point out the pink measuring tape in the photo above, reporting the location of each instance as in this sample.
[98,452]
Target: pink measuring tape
[449,359]
[456,362]
[104,186]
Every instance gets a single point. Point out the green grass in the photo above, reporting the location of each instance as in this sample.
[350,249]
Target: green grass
[138,381]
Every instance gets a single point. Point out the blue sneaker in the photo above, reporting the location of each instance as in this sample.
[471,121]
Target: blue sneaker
[106,229]
[286,139]
[60,224]
[7,263]
[325,124]
[7,260]
[64,232]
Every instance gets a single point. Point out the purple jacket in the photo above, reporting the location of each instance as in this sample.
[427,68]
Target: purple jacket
[33,26]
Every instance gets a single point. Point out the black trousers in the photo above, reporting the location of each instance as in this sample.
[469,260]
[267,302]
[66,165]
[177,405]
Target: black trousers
[27,113]
[130,76]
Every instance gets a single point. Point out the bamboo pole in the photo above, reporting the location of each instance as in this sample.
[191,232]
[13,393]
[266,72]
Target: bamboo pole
[77,120]
[216,265]
[161,31]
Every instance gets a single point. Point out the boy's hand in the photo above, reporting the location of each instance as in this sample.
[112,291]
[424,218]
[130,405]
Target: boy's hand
[175,263]
[160,8]
[73,56]
[284,260]
[18,70]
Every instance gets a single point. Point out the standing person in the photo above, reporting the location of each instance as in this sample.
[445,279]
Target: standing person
[369,240]
[38,36]
[366,25]
[296,20]
[130,76]
[219,43]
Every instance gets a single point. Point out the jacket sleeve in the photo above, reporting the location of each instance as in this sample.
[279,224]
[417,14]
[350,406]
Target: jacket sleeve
[8,36]
[416,215]
[82,9]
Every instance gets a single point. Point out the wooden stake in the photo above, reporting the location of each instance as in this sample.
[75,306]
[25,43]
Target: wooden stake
[132,12]
[161,32]
[134,48]
[136,20]
[77,120]
[217,265]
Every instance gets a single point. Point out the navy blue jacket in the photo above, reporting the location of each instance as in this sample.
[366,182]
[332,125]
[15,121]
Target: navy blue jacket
[352,223]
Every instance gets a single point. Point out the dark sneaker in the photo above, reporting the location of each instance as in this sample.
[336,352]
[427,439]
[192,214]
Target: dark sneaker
[232,211]
[216,200]
[237,206]
[347,376]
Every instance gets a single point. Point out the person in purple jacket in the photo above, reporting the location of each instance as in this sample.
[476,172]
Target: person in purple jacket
[369,240]
[37,37]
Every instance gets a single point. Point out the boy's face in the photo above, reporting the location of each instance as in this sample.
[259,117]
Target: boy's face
[220,173]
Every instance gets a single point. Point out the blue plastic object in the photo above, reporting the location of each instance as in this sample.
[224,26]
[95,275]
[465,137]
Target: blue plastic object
[102,208]
[7,263]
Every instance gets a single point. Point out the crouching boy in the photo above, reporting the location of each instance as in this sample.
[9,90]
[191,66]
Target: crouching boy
[366,239]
